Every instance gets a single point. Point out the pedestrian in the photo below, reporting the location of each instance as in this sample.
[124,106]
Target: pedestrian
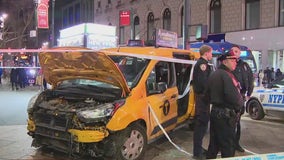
[22,77]
[278,73]
[226,99]
[1,72]
[244,75]
[201,73]
[272,74]
[14,78]
[260,77]
[267,74]
[44,84]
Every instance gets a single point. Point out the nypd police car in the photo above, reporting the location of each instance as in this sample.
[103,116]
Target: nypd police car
[268,100]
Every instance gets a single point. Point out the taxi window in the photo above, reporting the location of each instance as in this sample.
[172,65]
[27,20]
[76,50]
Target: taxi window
[163,72]
[183,76]
[131,68]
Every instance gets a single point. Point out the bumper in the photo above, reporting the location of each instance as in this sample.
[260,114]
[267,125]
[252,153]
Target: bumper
[88,136]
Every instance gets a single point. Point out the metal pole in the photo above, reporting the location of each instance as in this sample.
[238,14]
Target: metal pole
[36,28]
[52,24]
[186,20]
[132,23]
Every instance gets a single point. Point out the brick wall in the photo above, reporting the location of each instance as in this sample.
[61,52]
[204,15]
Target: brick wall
[232,19]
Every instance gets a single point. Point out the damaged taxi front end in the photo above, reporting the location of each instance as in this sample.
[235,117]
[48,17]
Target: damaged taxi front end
[87,89]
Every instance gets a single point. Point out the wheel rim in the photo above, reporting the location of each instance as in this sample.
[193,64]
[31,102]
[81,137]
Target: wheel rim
[133,146]
[254,109]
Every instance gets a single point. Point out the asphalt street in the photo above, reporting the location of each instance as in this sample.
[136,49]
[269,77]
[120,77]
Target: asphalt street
[14,104]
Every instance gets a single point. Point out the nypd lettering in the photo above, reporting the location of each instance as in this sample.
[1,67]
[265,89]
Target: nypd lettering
[276,98]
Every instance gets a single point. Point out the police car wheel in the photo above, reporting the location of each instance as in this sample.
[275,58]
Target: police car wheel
[131,143]
[255,109]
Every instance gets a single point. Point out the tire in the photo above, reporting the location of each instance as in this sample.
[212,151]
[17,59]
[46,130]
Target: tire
[255,110]
[131,143]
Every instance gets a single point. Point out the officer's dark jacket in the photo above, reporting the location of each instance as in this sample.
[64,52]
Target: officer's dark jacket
[200,76]
[222,91]
[244,75]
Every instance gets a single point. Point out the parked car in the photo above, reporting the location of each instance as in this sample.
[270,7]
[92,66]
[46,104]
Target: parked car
[104,103]
[267,101]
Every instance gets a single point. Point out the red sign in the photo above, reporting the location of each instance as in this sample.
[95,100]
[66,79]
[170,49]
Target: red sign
[42,15]
[44,2]
[124,18]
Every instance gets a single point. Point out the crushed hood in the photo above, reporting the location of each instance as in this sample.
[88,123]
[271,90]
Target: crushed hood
[60,64]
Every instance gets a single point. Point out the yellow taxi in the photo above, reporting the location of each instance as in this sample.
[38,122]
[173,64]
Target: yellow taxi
[111,102]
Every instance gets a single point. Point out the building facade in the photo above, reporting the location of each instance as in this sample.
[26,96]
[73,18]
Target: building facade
[257,24]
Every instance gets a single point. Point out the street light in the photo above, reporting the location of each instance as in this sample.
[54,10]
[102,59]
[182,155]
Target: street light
[2,19]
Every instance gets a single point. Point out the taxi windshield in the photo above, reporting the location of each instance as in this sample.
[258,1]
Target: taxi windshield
[131,67]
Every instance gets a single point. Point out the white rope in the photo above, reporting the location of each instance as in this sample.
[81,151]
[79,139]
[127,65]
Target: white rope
[165,133]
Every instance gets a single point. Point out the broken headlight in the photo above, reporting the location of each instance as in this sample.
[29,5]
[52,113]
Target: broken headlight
[95,114]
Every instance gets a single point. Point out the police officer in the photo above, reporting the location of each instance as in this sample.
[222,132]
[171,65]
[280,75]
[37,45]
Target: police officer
[244,75]
[226,100]
[201,73]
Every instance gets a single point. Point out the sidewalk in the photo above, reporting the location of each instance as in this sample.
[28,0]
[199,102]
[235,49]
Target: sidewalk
[6,86]
[15,143]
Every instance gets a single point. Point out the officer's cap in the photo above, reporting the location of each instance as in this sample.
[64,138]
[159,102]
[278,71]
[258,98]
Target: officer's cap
[229,54]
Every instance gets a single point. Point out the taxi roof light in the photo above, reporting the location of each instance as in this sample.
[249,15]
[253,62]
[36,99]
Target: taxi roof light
[135,43]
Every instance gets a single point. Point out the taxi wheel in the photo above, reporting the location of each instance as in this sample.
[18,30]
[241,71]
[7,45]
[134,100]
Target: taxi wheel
[255,110]
[131,143]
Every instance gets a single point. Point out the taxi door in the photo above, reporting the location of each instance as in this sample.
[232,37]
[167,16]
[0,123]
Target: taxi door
[162,95]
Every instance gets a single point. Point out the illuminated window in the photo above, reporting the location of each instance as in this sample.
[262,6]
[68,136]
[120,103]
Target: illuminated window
[71,16]
[215,16]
